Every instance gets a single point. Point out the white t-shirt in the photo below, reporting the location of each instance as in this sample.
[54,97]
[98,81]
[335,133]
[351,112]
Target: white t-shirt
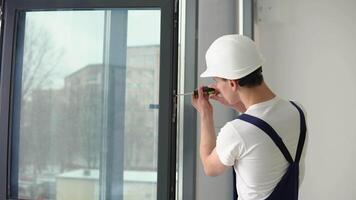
[258,162]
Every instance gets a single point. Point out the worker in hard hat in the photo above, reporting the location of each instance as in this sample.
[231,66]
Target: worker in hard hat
[265,143]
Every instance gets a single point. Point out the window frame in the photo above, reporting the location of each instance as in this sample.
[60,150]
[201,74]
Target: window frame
[166,170]
[187,130]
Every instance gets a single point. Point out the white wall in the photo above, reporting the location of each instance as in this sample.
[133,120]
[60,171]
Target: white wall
[216,18]
[310,47]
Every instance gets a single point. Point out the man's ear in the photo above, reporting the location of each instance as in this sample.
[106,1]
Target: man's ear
[234,85]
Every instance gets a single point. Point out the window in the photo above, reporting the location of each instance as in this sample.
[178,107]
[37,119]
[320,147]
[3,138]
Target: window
[87,111]
[61,106]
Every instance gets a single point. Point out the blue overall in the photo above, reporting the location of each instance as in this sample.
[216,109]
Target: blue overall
[287,188]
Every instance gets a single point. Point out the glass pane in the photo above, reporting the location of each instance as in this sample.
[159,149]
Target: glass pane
[83,78]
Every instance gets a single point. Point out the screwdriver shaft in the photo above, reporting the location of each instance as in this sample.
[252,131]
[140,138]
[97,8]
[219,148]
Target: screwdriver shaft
[189,93]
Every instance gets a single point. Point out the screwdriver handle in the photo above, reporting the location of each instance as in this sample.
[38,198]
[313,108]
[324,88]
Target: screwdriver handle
[206,91]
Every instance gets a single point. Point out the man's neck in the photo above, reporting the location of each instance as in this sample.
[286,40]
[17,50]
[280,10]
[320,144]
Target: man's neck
[251,96]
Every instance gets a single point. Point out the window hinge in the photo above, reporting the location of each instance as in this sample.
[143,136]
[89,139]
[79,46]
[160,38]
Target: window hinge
[176,6]
[172,191]
[176,14]
[2,7]
[174,107]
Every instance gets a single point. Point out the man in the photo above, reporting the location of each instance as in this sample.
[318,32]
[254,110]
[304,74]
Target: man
[264,144]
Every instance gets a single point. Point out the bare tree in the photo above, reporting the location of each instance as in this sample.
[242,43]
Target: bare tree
[40,60]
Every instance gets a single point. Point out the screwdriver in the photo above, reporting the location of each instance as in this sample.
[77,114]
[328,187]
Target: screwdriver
[206,91]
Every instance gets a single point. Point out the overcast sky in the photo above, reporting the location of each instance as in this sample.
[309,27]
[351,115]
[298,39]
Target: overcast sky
[80,34]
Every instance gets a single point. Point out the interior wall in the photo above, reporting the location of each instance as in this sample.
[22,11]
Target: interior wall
[310,47]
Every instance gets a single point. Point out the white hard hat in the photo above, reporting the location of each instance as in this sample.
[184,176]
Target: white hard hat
[232,57]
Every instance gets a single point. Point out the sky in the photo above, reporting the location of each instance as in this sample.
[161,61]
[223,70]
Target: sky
[80,35]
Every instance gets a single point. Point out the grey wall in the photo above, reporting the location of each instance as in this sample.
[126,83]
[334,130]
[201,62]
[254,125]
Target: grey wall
[216,18]
[310,47]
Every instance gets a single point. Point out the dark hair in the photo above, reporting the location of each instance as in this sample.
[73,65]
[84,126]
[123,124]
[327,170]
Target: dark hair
[251,80]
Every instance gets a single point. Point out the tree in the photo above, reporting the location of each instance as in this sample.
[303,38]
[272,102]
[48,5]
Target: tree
[40,59]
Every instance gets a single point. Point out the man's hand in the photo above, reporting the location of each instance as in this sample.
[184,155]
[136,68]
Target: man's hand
[218,97]
[239,106]
[201,103]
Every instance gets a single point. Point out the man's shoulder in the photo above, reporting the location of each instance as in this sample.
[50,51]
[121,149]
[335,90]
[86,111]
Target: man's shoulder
[300,105]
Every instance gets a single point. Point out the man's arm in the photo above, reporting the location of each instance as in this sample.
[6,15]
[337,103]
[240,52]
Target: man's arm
[211,162]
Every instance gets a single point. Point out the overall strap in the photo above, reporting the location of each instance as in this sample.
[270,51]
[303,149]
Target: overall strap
[303,130]
[265,127]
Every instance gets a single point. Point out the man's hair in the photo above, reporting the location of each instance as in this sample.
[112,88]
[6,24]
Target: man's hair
[251,80]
